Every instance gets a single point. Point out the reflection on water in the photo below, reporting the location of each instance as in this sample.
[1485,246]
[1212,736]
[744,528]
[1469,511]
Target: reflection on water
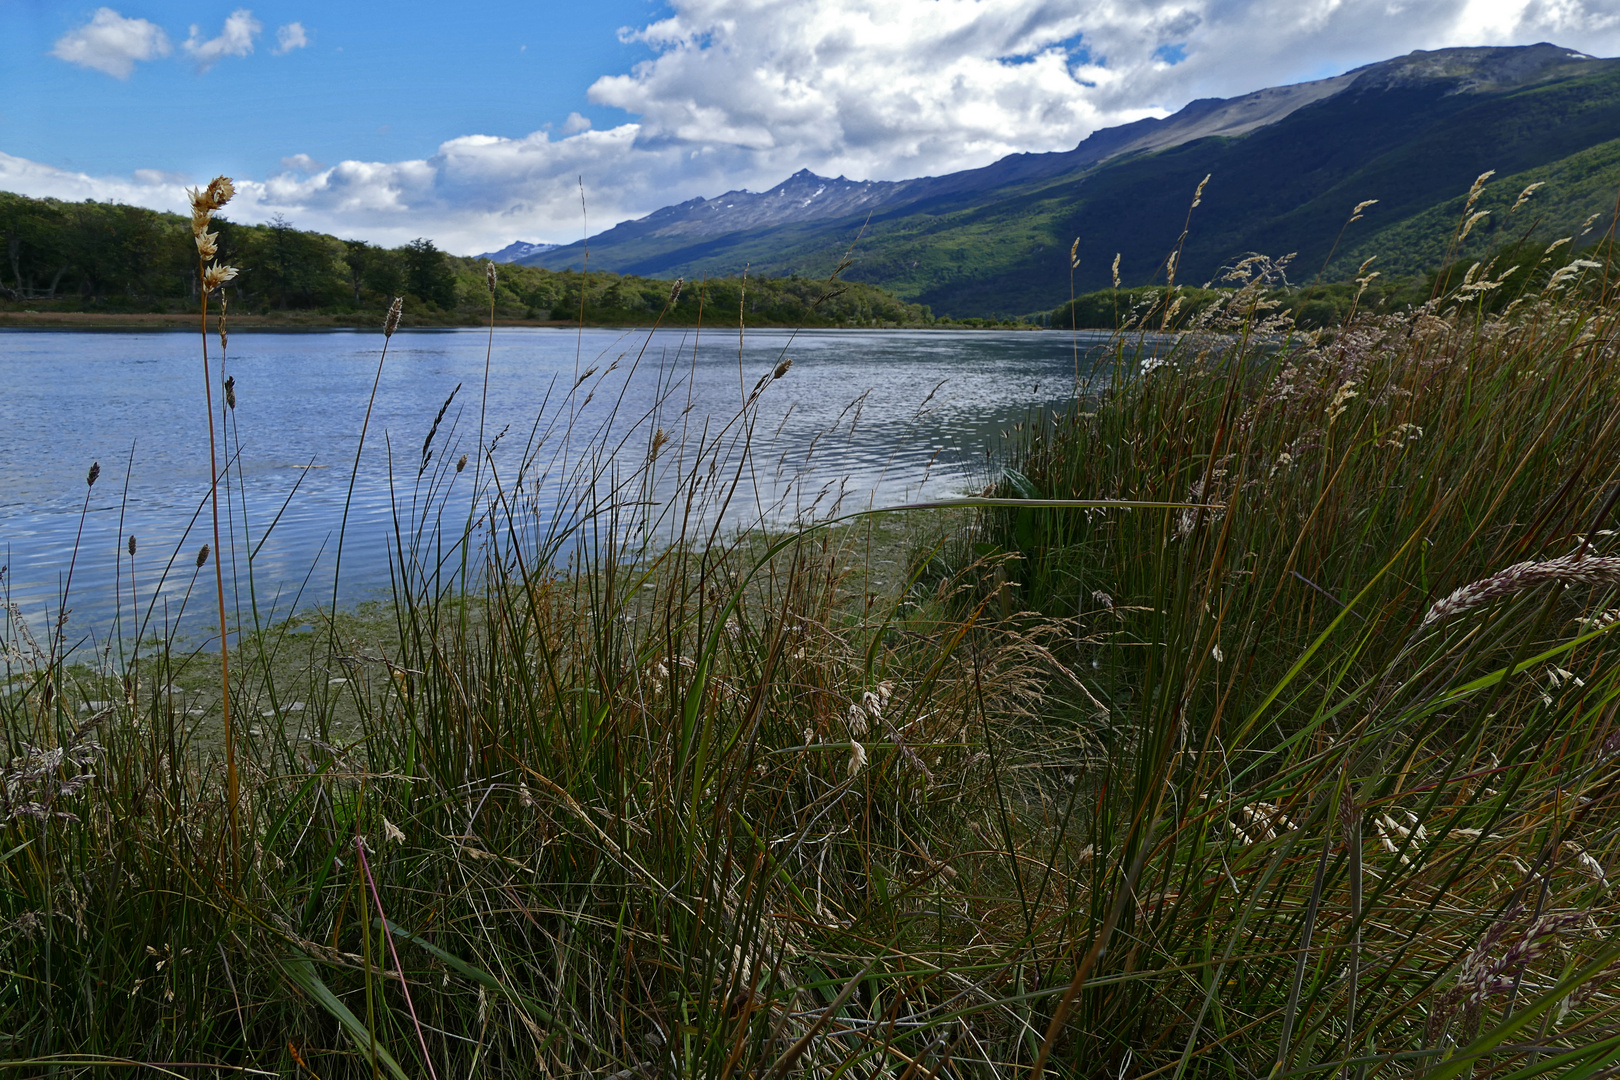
[860,419]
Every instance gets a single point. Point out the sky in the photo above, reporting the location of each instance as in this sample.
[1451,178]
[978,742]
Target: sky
[479,124]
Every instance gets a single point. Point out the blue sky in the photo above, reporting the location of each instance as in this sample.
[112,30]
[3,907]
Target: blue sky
[473,123]
[379,81]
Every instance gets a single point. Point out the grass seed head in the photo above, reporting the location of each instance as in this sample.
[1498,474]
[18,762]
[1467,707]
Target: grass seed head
[1575,569]
[391,321]
[132,545]
[489,276]
[220,190]
[202,556]
[1524,196]
[230,392]
[95,472]
[217,275]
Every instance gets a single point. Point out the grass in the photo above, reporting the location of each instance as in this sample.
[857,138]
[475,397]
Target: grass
[1147,763]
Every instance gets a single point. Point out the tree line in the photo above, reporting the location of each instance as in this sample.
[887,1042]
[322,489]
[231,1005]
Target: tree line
[90,256]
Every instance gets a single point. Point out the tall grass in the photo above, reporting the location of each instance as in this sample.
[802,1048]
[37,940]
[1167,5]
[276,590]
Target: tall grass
[1357,755]
[1178,779]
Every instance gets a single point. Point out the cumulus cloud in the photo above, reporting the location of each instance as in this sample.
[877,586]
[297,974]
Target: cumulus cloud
[290,37]
[236,39]
[740,93]
[302,163]
[111,43]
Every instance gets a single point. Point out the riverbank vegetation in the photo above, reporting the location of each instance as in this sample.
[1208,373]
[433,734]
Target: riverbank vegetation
[1515,269]
[1261,723]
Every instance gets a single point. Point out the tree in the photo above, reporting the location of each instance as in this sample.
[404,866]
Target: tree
[428,274]
[293,268]
[375,271]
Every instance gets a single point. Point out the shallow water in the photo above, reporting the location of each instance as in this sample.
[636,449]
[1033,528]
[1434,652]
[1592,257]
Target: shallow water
[862,418]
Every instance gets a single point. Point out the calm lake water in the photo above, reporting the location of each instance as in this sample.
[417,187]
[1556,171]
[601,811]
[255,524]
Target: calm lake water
[861,419]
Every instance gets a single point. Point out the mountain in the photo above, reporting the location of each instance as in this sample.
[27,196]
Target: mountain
[515,252]
[1286,166]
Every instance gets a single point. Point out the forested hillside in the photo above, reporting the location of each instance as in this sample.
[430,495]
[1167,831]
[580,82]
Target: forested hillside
[98,257]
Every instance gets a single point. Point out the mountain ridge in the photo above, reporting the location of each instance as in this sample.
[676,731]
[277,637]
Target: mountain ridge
[926,235]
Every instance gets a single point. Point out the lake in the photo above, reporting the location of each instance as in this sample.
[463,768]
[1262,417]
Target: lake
[861,419]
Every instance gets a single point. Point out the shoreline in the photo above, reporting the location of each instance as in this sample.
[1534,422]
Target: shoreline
[302,321]
[98,320]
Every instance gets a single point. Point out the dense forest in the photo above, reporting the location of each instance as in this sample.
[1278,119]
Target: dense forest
[99,257]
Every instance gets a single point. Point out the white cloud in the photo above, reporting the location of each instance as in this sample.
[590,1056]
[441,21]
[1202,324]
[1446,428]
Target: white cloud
[290,37]
[236,39]
[740,93]
[111,43]
[302,163]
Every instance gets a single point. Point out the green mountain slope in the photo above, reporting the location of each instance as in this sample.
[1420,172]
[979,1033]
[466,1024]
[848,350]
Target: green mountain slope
[1412,133]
